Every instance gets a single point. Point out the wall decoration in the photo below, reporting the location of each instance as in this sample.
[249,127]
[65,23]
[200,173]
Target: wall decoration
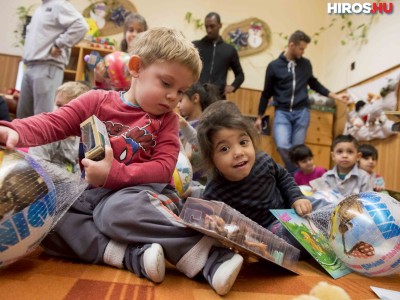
[109,15]
[249,36]
[24,14]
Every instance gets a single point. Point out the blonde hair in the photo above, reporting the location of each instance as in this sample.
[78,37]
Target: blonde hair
[72,89]
[169,45]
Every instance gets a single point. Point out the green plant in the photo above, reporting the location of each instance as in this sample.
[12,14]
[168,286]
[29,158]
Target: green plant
[353,32]
[198,23]
[23,13]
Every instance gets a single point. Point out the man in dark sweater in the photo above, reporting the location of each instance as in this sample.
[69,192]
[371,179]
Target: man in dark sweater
[218,57]
[286,80]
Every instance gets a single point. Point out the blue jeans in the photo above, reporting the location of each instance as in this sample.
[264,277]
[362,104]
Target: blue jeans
[290,129]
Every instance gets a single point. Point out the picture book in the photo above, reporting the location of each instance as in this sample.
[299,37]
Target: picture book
[313,240]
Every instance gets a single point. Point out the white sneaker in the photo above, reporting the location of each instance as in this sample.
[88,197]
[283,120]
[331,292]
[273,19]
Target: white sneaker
[226,274]
[154,263]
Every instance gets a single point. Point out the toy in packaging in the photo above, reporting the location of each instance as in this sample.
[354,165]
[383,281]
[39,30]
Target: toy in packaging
[236,231]
[94,138]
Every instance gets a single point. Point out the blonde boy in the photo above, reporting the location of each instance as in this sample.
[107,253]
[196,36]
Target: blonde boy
[63,153]
[129,221]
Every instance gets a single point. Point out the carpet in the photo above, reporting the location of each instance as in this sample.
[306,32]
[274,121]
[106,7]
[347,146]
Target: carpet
[39,276]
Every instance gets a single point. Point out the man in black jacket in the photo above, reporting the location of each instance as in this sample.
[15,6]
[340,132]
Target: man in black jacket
[287,79]
[218,57]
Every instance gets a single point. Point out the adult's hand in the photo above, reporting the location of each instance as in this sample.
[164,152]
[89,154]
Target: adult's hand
[229,89]
[343,97]
[55,51]
[257,124]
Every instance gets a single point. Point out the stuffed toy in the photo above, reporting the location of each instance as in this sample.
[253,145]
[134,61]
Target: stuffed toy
[366,119]
[325,291]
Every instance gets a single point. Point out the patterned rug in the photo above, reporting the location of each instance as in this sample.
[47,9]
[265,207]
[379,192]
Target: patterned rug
[39,276]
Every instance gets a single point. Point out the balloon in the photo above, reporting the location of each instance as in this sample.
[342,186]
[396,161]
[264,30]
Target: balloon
[183,174]
[364,232]
[118,70]
[27,205]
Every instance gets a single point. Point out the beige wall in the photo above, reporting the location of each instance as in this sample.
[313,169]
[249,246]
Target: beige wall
[330,60]
[381,52]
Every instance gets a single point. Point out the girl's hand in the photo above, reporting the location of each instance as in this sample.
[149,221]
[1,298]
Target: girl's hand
[182,122]
[8,137]
[96,172]
[302,207]
[99,71]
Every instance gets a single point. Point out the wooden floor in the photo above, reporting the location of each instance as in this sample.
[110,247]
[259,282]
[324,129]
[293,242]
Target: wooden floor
[39,276]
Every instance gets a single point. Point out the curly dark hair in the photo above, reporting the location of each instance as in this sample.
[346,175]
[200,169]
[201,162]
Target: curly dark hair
[220,115]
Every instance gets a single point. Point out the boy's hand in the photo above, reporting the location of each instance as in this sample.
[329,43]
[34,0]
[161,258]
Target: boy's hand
[378,188]
[302,207]
[96,172]
[8,137]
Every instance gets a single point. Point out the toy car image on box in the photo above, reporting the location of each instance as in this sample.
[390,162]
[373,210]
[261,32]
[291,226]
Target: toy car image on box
[236,231]
[94,138]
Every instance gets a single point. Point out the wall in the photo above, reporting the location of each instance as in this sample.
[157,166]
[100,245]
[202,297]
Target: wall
[379,54]
[281,16]
[331,60]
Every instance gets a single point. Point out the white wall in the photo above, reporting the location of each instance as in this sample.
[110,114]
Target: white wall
[330,60]
[381,52]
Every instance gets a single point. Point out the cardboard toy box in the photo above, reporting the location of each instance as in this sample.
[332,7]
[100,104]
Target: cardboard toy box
[236,231]
[94,138]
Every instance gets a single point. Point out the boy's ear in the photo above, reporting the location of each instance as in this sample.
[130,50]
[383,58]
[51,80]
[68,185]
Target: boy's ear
[196,98]
[134,64]
[359,155]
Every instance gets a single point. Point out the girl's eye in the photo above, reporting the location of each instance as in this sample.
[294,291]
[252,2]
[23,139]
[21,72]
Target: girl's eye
[166,84]
[244,142]
[223,149]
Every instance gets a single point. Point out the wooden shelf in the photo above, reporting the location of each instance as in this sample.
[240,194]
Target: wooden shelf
[76,69]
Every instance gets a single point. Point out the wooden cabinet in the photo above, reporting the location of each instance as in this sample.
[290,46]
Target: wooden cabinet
[319,137]
[76,69]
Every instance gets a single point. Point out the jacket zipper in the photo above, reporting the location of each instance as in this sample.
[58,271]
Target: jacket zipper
[212,61]
[292,66]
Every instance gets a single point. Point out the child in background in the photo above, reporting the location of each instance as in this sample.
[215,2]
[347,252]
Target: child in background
[129,220]
[133,25]
[63,153]
[367,162]
[248,180]
[196,99]
[345,177]
[303,158]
